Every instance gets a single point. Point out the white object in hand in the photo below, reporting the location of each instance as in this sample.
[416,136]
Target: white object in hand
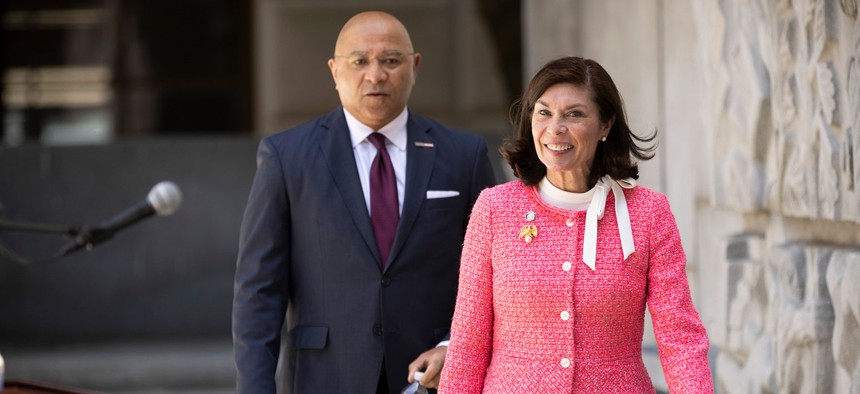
[2,371]
[415,387]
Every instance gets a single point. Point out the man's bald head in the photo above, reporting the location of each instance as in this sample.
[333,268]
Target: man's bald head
[370,23]
[374,67]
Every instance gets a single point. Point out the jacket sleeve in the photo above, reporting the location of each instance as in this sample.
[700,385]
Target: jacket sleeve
[472,328]
[681,338]
[261,283]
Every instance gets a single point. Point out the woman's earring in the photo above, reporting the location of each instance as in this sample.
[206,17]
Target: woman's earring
[603,139]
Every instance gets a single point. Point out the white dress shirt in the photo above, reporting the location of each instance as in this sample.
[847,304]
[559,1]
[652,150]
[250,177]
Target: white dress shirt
[395,142]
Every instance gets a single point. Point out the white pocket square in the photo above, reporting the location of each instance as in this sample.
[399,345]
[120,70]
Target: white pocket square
[431,194]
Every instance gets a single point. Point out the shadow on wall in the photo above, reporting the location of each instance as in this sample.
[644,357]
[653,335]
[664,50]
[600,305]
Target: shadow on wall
[163,277]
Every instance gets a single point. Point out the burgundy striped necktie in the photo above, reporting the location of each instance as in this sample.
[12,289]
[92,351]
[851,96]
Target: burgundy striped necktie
[384,212]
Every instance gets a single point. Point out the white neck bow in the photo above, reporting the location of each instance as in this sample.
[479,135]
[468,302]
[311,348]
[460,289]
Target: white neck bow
[595,213]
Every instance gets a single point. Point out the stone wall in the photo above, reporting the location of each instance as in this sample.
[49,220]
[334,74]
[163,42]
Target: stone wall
[791,319]
[782,89]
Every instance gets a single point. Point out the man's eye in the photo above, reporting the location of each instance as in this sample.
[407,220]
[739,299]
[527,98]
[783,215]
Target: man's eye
[358,62]
[390,61]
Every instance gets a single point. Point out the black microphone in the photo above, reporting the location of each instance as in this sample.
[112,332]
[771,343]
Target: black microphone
[164,199]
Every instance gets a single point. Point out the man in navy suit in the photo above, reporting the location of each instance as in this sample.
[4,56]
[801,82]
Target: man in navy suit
[310,253]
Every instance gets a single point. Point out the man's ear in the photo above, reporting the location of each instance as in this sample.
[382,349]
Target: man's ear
[415,65]
[332,66]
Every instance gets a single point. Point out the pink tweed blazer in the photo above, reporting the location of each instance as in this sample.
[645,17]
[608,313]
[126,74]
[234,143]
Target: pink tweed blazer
[531,317]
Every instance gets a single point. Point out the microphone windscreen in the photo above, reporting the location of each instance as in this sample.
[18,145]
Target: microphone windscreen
[165,198]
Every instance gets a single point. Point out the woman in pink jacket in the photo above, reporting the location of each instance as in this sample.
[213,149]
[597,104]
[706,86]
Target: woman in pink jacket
[558,266]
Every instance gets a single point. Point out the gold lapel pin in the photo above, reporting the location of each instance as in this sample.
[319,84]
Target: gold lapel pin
[528,233]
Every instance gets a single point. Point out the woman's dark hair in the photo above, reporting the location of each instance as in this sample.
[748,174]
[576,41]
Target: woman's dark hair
[614,157]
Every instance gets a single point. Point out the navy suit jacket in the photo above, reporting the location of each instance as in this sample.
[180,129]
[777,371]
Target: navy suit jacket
[308,262]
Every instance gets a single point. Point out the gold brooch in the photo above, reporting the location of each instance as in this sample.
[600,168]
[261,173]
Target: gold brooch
[528,233]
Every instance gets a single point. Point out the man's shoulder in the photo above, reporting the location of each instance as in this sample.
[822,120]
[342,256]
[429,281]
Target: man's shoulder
[308,128]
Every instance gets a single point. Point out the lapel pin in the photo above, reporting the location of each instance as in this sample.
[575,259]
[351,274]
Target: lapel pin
[530,216]
[528,233]
[422,144]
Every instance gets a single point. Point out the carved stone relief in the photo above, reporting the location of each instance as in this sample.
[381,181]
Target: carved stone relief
[745,364]
[802,319]
[783,112]
[844,269]
[793,321]
[783,104]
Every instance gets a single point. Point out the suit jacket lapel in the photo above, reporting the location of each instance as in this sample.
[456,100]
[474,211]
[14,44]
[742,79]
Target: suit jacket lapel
[336,146]
[419,166]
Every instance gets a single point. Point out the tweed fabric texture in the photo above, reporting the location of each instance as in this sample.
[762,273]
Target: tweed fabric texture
[531,317]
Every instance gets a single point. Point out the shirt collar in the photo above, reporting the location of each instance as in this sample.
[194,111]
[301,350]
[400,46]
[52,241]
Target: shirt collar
[558,196]
[394,131]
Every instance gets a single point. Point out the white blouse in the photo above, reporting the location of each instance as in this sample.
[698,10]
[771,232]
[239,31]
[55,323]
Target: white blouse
[594,201]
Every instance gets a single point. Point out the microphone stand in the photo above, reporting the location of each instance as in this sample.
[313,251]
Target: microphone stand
[81,237]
